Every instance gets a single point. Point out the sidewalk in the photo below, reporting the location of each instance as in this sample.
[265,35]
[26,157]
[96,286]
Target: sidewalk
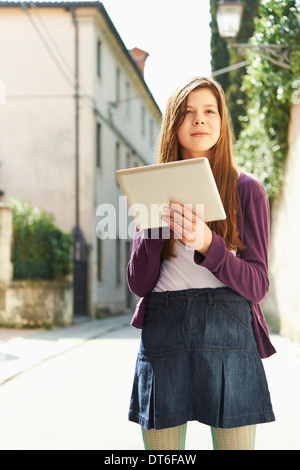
[25,348]
[80,389]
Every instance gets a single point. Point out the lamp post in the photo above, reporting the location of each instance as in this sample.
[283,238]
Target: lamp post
[229,17]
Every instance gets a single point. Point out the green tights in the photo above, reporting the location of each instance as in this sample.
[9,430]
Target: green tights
[242,438]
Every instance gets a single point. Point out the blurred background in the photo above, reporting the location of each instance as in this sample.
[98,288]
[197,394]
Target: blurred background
[83,86]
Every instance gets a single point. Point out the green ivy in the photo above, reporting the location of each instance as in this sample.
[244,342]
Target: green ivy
[41,250]
[262,145]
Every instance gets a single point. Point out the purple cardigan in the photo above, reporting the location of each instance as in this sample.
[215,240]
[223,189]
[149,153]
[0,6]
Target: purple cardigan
[246,273]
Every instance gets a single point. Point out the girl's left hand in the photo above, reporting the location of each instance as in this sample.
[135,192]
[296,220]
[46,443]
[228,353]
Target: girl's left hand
[188,227]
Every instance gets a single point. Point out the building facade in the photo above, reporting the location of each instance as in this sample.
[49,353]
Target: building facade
[76,108]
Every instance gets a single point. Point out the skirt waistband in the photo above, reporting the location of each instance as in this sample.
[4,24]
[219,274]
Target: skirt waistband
[209,295]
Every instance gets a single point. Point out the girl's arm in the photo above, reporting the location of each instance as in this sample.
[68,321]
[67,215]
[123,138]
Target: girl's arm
[247,273]
[144,266]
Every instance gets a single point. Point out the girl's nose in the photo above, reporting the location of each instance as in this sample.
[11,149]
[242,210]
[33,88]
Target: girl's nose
[198,120]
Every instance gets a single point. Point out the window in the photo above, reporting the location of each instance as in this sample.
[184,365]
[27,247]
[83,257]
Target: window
[128,101]
[143,120]
[99,260]
[117,156]
[118,84]
[128,160]
[151,132]
[98,145]
[98,58]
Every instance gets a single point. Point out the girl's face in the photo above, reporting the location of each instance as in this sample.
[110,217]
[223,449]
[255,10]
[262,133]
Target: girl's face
[200,129]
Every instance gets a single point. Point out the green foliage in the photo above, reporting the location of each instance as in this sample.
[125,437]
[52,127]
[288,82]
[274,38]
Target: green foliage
[262,145]
[41,250]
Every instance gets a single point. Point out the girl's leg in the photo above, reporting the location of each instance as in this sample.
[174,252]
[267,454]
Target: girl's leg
[242,438]
[165,439]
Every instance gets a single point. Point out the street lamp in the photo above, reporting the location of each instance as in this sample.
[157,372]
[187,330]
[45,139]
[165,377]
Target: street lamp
[229,17]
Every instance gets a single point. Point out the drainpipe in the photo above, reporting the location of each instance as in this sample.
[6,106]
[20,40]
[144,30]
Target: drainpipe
[80,249]
[76,117]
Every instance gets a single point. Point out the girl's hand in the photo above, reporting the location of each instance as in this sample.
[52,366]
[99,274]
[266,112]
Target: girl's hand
[188,227]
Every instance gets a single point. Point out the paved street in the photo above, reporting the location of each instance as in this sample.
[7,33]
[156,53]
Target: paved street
[70,388]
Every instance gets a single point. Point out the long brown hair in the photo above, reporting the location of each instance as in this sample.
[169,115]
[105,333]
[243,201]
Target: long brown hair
[221,160]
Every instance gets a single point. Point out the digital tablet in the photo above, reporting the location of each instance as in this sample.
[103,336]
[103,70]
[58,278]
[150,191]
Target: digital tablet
[149,188]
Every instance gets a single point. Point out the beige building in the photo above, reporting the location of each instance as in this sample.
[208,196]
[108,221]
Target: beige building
[74,108]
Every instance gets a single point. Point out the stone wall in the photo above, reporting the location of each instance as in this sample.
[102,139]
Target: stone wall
[29,303]
[37,304]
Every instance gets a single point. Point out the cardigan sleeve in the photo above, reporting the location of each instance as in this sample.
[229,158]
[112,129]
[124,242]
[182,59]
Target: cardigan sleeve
[144,266]
[246,273]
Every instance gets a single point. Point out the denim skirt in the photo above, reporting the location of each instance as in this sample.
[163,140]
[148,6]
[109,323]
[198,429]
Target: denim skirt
[198,360]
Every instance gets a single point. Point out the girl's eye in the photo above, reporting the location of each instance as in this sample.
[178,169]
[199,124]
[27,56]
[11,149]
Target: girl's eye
[188,111]
[210,111]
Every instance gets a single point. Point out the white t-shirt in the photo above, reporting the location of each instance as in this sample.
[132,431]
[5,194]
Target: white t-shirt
[183,273]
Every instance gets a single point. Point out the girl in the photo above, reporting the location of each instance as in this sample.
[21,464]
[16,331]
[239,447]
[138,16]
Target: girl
[203,332]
